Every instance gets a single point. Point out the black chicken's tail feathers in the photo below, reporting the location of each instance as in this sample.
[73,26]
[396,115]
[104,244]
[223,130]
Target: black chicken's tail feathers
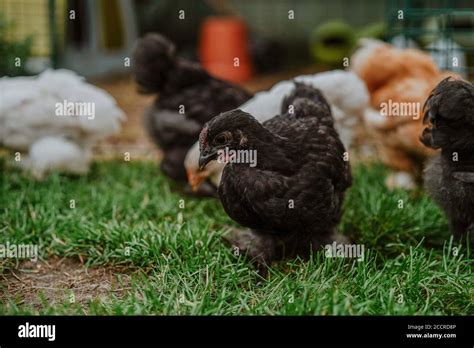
[154,57]
[307,101]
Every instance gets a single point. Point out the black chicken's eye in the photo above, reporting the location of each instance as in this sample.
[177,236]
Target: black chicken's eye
[221,139]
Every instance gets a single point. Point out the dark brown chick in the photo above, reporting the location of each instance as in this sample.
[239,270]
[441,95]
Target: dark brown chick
[292,198]
[187,98]
[449,177]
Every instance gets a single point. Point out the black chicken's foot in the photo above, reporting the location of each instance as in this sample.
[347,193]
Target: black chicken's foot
[246,242]
[339,238]
[318,242]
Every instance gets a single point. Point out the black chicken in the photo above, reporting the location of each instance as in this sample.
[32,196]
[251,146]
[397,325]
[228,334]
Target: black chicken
[188,97]
[449,178]
[292,199]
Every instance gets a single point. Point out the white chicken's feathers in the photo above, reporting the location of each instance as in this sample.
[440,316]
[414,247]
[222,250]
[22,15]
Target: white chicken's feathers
[28,109]
[267,104]
[345,92]
[56,154]
[29,122]
[341,88]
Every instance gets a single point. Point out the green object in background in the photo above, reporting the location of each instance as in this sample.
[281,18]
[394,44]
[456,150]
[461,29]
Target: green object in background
[113,37]
[332,41]
[376,30]
[13,52]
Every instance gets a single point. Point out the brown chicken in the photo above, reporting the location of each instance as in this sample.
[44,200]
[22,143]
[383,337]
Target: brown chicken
[399,81]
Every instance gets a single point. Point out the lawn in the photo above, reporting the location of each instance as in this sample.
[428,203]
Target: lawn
[130,219]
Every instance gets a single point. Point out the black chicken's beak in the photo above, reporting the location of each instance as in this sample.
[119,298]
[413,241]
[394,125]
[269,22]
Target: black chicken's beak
[427,138]
[206,157]
[428,118]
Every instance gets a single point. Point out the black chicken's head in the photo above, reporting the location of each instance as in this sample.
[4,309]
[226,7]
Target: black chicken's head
[233,129]
[153,58]
[449,114]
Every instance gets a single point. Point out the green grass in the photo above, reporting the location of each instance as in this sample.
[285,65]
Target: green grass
[129,214]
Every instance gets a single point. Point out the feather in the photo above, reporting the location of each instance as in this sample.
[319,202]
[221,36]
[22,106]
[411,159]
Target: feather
[466,177]
[56,154]
[32,110]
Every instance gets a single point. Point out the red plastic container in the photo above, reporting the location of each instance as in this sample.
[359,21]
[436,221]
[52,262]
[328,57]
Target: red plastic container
[224,50]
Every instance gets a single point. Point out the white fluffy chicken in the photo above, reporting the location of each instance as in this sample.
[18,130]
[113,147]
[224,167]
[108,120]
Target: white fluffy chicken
[57,118]
[345,92]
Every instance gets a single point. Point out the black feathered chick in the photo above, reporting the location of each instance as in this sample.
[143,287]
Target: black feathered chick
[449,178]
[187,98]
[292,199]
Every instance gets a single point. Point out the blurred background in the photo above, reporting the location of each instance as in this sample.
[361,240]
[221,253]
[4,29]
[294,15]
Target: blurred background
[284,38]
